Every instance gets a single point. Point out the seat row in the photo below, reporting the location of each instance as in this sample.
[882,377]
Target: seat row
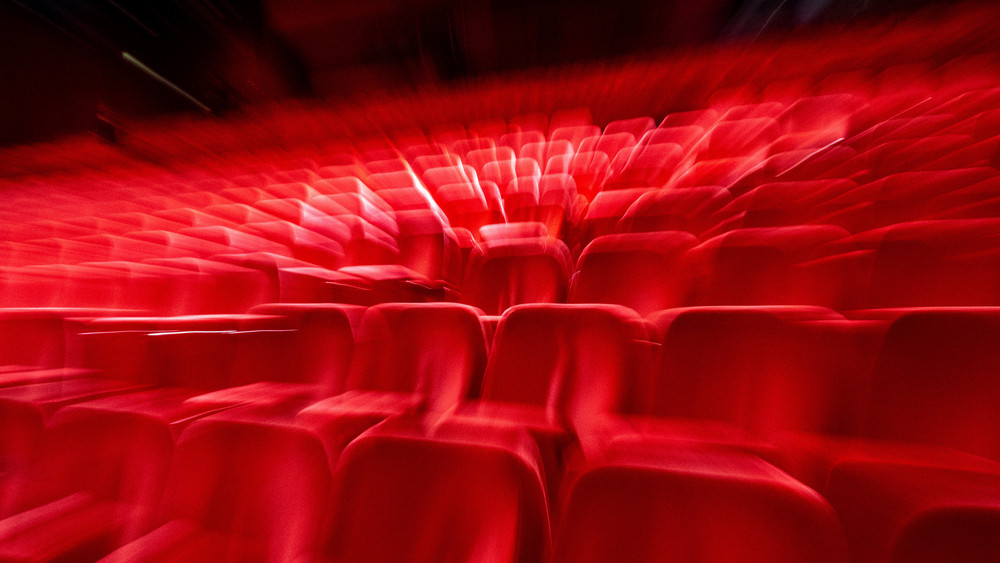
[738,147]
[899,174]
[942,262]
[590,406]
[235,490]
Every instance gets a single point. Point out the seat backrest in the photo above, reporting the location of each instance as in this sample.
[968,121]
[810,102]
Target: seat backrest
[447,494]
[435,349]
[116,456]
[641,271]
[646,503]
[935,381]
[261,486]
[572,360]
[687,209]
[324,340]
[937,263]
[754,367]
[196,352]
[753,266]
[32,338]
[509,272]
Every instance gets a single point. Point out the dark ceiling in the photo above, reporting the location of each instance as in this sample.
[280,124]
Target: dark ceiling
[63,60]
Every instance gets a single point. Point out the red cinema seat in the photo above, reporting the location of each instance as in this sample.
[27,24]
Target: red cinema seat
[915,513]
[386,166]
[275,363]
[426,355]
[92,486]
[641,271]
[766,109]
[898,198]
[575,135]
[234,239]
[823,163]
[902,155]
[467,206]
[609,143]
[726,172]
[463,146]
[933,383]
[368,242]
[325,340]
[423,163]
[772,168]
[142,221]
[434,178]
[647,166]
[407,198]
[553,366]
[207,198]
[605,212]
[702,118]
[976,103]
[22,428]
[205,286]
[521,191]
[176,245]
[650,502]
[509,272]
[192,217]
[759,371]
[779,204]
[543,152]
[558,203]
[589,170]
[555,369]
[935,263]
[687,136]
[245,195]
[410,358]
[478,159]
[915,127]
[830,113]
[503,172]
[759,266]
[687,209]
[391,180]
[191,352]
[444,492]
[920,483]
[635,127]
[935,362]
[521,203]
[348,207]
[741,137]
[239,490]
[510,231]
[427,247]
[114,347]
[238,213]
[304,244]
[805,140]
[194,352]
[517,140]
[435,350]
[121,247]
[34,337]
